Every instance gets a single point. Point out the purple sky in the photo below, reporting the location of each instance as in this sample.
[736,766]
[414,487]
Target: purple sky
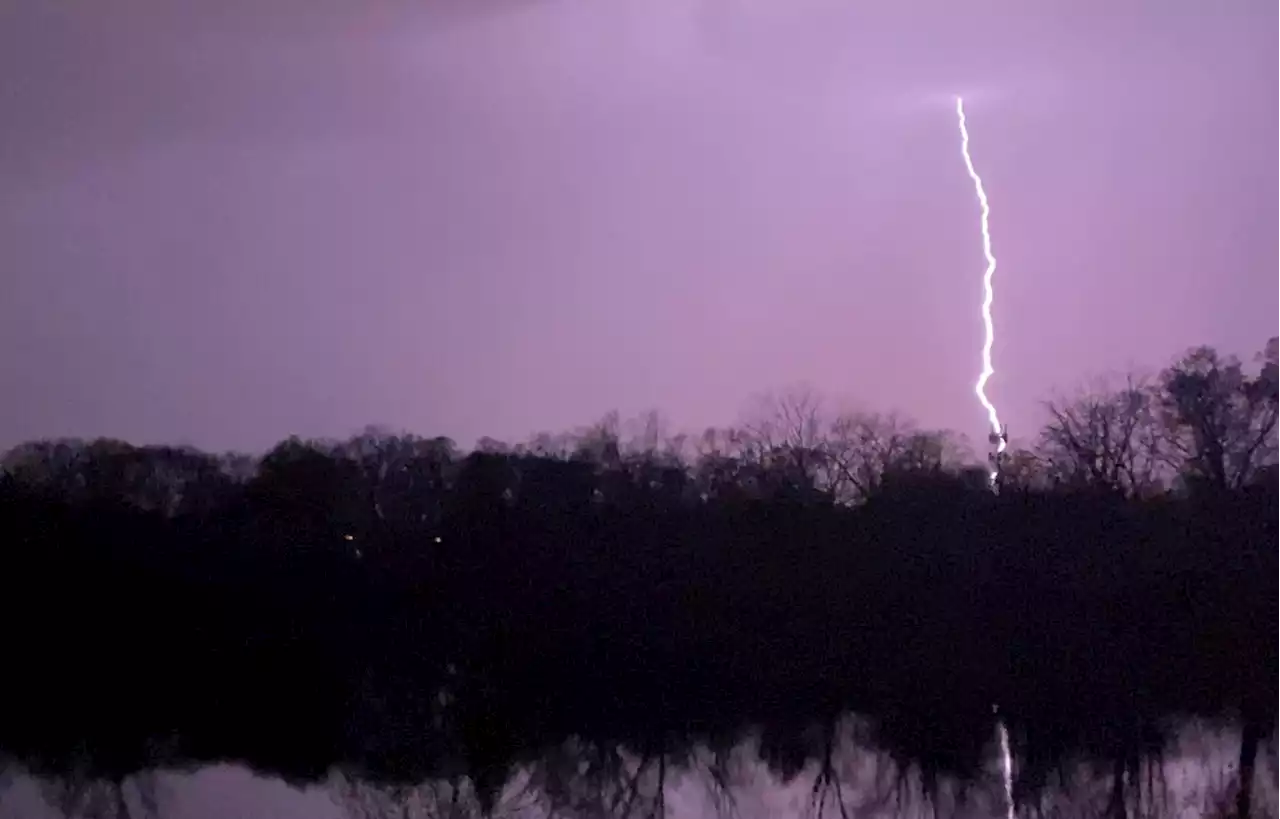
[225,226]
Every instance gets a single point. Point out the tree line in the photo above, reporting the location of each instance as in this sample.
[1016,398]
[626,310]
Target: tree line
[393,606]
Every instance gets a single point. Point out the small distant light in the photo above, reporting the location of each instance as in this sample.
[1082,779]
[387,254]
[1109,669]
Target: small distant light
[438,540]
[359,554]
[348,537]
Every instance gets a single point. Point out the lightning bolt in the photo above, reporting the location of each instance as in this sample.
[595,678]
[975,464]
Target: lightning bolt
[980,389]
[989,294]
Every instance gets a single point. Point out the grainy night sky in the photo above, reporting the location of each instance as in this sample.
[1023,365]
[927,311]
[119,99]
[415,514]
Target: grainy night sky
[222,223]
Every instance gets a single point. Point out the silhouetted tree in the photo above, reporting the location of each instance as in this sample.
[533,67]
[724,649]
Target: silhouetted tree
[780,447]
[1110,439]
[1024,470]
[1222,421]
[865,449]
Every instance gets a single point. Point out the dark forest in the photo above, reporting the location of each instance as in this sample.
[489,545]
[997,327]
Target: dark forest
[397,608]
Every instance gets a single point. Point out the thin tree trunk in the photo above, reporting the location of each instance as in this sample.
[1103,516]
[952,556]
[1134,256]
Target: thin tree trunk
[1116,808]
[1250,737]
